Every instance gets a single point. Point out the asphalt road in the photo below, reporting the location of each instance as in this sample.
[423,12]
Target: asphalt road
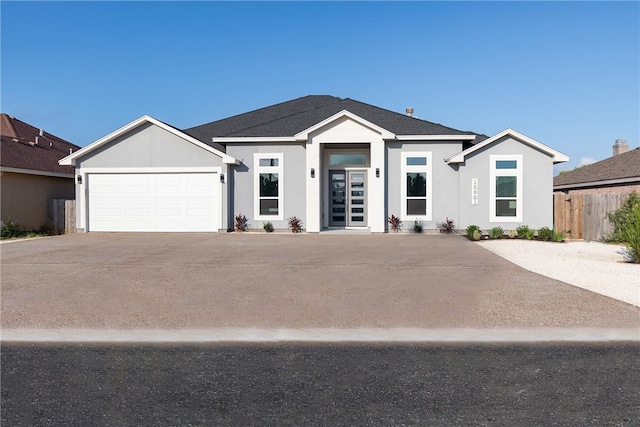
[420,384]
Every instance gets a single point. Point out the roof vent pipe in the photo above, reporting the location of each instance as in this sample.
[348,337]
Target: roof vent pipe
[37,140]
[409,112]
[41,132]
[70,150]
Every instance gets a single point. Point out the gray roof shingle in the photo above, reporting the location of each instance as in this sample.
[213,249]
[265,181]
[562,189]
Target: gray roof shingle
[625,165]
[289,118]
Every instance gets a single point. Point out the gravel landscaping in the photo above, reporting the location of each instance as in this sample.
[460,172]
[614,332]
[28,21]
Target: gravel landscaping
[597,267]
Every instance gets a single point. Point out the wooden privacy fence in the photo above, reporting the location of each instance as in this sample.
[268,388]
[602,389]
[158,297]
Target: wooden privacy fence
[62,214]
[584,216]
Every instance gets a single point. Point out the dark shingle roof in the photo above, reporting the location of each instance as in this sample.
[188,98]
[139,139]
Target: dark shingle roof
[625,165]
[19,150]
[289,118]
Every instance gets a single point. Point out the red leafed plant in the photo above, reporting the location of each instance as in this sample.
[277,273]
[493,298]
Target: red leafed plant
[295,224]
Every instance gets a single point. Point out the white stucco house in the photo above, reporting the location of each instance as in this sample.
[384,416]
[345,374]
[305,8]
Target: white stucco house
[332,162]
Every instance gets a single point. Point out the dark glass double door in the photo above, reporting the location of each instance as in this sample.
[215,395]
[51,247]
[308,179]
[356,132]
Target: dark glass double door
[347,198]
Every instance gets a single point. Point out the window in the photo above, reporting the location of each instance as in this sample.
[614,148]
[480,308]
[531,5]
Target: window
[348,159]
[416,186]
[506,188]
[268,186]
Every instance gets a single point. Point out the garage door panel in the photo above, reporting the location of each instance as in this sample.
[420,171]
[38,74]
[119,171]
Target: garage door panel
[153,202]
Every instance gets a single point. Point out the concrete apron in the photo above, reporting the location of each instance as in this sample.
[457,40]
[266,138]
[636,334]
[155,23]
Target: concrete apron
[323,335]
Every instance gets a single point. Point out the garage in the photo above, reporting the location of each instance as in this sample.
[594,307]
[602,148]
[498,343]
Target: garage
[151,177]
[147,202]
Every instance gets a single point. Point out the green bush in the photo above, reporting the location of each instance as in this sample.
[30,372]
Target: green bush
[496,233]
[11,230]
[523,231]
[545,233]
[629,232]
[417,226]
[529,234]
[621,217]
[268,227]
[471,229]
[557,236]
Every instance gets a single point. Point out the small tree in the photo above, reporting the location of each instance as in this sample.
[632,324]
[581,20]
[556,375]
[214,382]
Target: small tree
[630,233]
[621,217]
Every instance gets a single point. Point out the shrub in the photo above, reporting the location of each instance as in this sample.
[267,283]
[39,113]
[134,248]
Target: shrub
[447,226]
[529,234]
[11,230]
[545,233]
[470,230]
[268,227]
[417,226]
[557,236]
[496,233]
[622,216]
[241,223]
[49,229]
[395,223]
[522,231]
[629,232]
[476,235]
[295,224]
[513,234]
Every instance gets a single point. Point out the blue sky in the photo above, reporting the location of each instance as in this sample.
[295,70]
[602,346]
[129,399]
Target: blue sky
[564,73]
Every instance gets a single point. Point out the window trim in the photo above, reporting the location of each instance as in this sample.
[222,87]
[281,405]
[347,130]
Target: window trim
[404,169]
[256,185]
[495,173]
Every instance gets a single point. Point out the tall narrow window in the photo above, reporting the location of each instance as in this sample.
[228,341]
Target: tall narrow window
[268,186]
[506,188]
[416,186]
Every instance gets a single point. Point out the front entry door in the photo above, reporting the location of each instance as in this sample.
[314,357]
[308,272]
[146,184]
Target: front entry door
[347,198]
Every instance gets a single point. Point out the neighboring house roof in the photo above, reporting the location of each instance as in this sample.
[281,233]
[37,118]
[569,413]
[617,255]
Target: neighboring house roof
[71,159]
[27,149]
[294,117]
[621,169]
[557,156]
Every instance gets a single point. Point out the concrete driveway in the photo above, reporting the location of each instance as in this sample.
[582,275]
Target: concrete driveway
[178,281]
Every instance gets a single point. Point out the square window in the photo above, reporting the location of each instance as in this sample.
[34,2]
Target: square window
[268,206]
[416,206]
[506,207]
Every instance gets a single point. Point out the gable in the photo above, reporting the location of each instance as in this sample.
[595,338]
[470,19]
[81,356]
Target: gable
[344,127]
[148,146]
[508,135]
[147,142]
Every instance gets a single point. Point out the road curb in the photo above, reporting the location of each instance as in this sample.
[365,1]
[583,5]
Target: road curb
[320,335]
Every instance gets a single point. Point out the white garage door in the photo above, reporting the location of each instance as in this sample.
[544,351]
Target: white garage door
[153,202]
